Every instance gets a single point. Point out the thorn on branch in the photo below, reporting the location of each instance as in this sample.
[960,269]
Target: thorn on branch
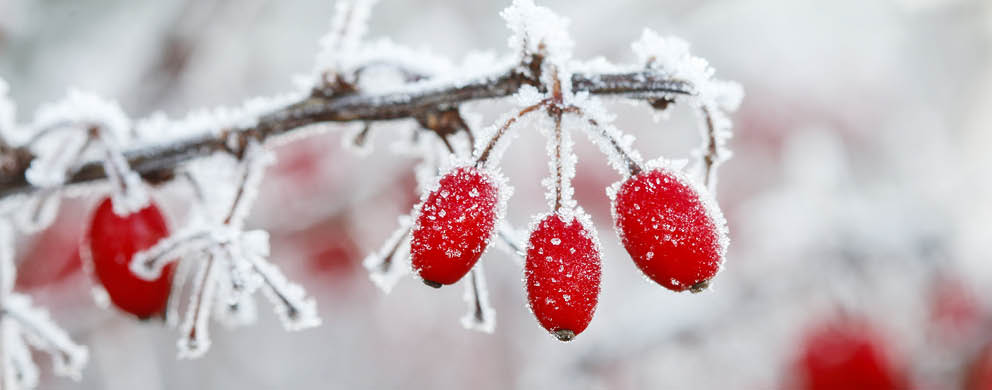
[361,139]
[445,123]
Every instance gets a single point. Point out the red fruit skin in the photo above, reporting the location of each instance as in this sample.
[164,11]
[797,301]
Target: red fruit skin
[454,226]
[562,274]
[979,372]
[846,355]
[110,243]
[665,227]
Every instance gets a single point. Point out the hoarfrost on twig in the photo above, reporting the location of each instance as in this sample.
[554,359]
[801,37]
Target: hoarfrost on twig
[480,315]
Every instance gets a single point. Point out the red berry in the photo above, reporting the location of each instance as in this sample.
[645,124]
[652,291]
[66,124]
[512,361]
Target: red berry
[672,230]
[454,226]
[979,372]
[111,241]
[562,275]
[845,355]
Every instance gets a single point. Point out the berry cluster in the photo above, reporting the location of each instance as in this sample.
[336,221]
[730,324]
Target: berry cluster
[665,217]
[667,221]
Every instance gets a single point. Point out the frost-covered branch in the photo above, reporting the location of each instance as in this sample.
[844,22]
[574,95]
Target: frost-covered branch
[158,162]
[84,139]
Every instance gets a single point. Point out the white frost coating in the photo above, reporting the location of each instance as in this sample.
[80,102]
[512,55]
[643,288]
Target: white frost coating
[711,97]
[561,156]
[239,313]
[537,29]
[196,337]
[179,280]
[480,316]
[19,371]
[348,25]
[39,330]
[54,156]
[512,242]
[61,134]
[671,55]
[294,308]
[721,134]
[503,143]
[604,134]
[148,264]
[37,211]
[127,193]
[528,95]
[256,159]
[397,250]
[158,129]
[236,258]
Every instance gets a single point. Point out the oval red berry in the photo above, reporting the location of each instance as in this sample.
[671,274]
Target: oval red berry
[562,274]
[675,235]
[845,355]
[454,225]
[111,242]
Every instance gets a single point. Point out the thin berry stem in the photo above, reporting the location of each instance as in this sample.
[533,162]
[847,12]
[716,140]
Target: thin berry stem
[633,167]
[387,260]
[198,303]
[712,152]
[479,313]
[558,164]
[484,155]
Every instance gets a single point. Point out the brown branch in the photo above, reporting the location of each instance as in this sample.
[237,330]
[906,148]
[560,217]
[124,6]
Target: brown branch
[158,163]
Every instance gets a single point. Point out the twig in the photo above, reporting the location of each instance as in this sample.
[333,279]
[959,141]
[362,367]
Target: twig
[158,163]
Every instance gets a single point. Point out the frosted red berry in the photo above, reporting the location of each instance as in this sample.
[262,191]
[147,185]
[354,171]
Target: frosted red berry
[111,242]
[562,274]
[454,225]
[674,234]
[845,355]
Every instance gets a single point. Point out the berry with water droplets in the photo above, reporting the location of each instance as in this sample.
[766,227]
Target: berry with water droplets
[454,225]
[673,231]
[562,275]
[110,243]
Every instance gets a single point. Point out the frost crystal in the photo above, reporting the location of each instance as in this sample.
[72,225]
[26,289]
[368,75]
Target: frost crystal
[60,134]
[231,264]
[388,265]
[537,29]
[480,316]
[711,97]
[348,26]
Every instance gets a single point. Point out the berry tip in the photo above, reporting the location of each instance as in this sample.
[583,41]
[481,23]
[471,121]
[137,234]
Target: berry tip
[432,283]
[564,335]
[699,287]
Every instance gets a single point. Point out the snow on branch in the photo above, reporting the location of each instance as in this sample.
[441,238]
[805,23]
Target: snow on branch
[226,264]
[158,162]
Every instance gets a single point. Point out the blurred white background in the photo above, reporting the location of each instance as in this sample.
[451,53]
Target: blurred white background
[859,187]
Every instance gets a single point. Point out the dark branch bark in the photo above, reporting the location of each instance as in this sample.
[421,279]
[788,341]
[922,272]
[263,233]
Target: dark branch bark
[157,164]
